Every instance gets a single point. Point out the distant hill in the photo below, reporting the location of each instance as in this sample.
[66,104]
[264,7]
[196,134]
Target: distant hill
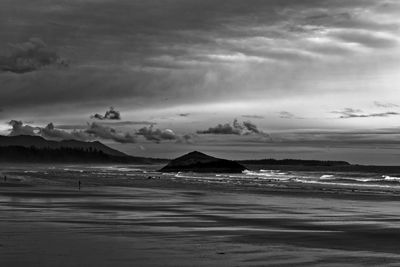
[40,142]
[316,165]
[295,162]
[199,162]
[34,149]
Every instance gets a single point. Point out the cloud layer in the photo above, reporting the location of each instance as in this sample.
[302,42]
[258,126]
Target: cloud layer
[108,133]
[91,132]
[348,113]
[143,53]
[18,128]
[234,128]
[30,56]
[157,135]
[50,132]
[98,131]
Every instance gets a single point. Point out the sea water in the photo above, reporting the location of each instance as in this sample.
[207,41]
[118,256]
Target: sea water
[126,175]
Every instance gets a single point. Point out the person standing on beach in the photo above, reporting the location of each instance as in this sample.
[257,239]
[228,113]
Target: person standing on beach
[79,185]
[5,178]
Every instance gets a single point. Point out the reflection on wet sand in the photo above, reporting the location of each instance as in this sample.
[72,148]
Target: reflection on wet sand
[53,223]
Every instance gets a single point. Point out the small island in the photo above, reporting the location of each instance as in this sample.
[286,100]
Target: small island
[199,162]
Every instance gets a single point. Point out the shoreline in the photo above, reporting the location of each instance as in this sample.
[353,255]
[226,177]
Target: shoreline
[164,222]
[311,190]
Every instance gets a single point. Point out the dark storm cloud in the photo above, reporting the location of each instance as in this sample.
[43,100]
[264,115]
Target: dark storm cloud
[133,49]
[348,113]
[18,128]
[226,128]
[157,135]
[251,127]
[221,129]
[108,133]
[30,56]
[236,128]
[97,116]
[91,84]
[110,114]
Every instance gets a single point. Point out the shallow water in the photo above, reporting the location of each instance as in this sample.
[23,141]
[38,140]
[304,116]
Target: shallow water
[122,218]
[127,175]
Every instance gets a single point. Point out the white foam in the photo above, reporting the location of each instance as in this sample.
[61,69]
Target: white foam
[253,173]
[391,178]
[343,184]
[327,177]
[366,179]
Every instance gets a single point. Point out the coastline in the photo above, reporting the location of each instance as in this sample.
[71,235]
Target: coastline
[174,222]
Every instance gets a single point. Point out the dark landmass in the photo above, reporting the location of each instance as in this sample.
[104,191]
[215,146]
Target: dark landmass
[199,162]
[39,142]
[17,154]
[35,149]
[394,170]
[295,162]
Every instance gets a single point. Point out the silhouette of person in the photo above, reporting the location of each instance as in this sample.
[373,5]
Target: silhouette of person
[79,185]
[5,178]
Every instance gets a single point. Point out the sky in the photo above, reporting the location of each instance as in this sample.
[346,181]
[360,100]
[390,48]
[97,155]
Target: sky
[240,79]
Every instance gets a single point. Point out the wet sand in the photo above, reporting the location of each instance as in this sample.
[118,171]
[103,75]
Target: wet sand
[151,224]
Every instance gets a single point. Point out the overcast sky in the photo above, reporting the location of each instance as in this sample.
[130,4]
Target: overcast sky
[303,78]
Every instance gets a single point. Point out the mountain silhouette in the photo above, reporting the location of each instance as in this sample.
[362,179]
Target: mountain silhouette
[40,142]
[25,148]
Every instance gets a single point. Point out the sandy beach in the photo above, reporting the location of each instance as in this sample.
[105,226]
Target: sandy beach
[49,222]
